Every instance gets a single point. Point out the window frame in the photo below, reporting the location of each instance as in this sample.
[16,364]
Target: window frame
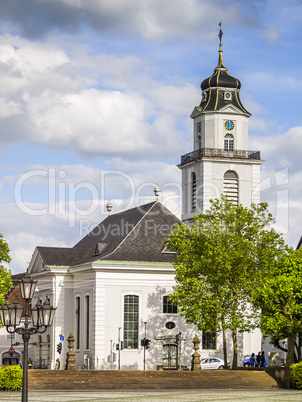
[167,305]
[78,322]
[131,308]
[209,340]
[228,142]
[87,321]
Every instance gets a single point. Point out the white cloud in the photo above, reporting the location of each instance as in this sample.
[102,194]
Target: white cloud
[9,109]
[284,150]
[56,108]
[153,20]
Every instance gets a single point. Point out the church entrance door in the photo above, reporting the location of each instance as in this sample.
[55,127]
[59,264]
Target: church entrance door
[170,356]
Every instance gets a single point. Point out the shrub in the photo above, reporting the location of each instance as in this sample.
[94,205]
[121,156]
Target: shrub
[296,375]
[11,378]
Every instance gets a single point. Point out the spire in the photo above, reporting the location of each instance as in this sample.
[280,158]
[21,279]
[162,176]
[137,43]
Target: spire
[157,192]
[109,207]
[220,58]
[220,89]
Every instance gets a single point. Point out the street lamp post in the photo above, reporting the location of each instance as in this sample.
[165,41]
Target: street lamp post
[145,323]
[41,317]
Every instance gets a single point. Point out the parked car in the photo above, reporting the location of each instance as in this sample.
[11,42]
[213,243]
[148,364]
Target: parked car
[212,363]
[247,363]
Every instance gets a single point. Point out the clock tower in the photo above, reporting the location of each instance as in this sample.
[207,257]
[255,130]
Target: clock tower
[220,162]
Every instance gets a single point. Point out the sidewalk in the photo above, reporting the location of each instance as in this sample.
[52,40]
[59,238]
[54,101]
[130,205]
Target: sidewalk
[145,396]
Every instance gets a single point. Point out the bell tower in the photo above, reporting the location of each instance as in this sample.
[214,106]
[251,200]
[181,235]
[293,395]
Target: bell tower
[220,162]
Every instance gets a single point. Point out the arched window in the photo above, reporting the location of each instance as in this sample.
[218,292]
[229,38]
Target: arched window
[78,322]
[193,183]
[131,321]
[10,359]
[228,142]
[87,321]
[230,187]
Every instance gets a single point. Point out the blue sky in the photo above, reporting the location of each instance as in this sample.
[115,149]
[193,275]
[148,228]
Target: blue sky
[95,99]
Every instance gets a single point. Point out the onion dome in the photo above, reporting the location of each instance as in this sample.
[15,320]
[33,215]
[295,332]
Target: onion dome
[221,77]
[221,89]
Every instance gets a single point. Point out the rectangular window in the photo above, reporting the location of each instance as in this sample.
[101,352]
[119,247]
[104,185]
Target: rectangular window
[87,306]
[131,321]
[209,340]
[78,322]
[168,307]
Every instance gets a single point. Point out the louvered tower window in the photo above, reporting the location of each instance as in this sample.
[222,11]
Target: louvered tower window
[193,177]
[228,142]
[230,187]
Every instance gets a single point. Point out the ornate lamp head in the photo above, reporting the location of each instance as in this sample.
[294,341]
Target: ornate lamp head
[11,314]
[27,287]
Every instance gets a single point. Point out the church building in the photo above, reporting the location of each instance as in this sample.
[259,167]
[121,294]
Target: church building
[111,289]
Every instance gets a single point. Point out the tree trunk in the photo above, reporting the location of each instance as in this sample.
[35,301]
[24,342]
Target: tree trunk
[225,355]
[235,347]
[299,357]
[290,350]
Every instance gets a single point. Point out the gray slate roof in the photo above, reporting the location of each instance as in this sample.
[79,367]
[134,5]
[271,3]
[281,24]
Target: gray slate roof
[138,234]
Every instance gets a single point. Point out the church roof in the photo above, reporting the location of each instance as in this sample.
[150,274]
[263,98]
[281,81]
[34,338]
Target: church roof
[137,234]
[299,244]
[221,89]
[63,256]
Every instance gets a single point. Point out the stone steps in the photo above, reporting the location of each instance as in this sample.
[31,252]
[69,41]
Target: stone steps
[138,380]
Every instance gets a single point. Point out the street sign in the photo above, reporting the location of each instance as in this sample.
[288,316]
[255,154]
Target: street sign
[61,338]
[11,351]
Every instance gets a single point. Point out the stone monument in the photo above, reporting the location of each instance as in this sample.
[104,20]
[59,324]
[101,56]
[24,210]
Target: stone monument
[196,355]
[70,360]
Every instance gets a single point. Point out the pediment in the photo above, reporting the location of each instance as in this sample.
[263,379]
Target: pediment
[36,264]
[196,112]
[231,109]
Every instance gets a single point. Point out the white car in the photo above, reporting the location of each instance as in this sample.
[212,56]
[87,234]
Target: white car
[212,363]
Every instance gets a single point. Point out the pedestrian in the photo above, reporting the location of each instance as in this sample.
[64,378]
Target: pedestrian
[262,359]
[58,364]
[258,358]
[253,360]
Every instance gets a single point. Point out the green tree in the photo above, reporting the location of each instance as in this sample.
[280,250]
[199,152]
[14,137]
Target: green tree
[280,301]
[5,273]
[220,258]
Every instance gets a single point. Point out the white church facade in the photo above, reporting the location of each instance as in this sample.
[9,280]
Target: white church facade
[112,287]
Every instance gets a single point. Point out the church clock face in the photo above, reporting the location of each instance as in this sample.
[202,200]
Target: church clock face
[229,125]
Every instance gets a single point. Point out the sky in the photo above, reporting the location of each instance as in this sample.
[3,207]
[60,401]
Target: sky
[95,104]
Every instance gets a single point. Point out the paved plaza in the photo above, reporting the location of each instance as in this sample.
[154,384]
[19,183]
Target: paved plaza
[145,396]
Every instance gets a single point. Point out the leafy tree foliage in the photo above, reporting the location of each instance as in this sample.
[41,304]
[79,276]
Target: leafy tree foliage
[220,258]
[5,274]
[280,299]
[11,378]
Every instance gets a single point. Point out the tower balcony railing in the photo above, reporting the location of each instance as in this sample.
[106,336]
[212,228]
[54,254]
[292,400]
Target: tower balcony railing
[218,153]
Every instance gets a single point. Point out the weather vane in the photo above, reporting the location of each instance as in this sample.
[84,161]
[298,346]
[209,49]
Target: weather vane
[220,33]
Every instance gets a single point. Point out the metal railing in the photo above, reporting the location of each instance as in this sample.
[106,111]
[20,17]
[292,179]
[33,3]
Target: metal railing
[218,153]
[39,364]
